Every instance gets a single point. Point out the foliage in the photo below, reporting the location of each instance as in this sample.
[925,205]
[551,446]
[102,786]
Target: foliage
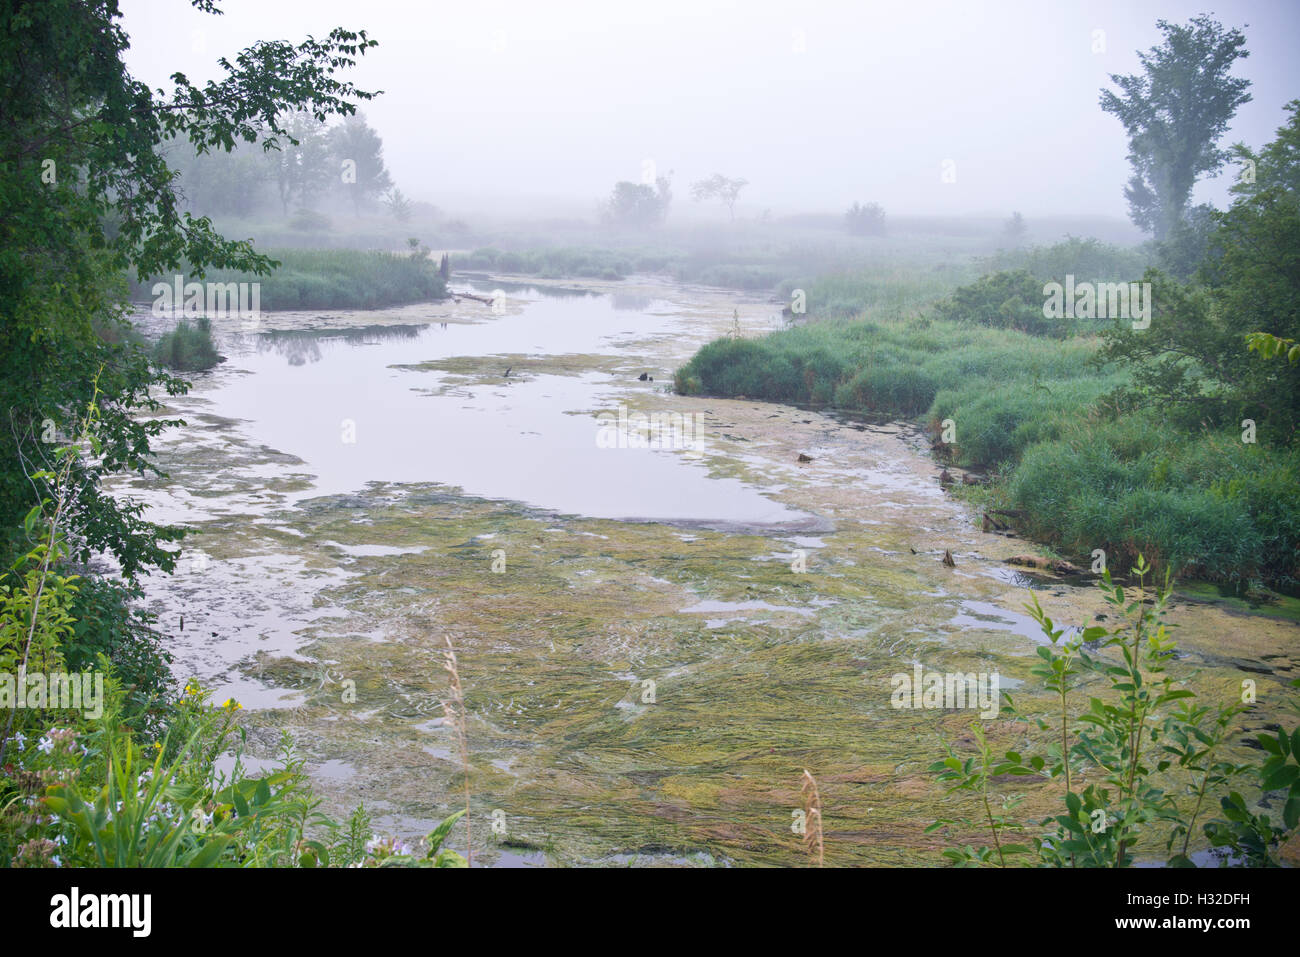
[1191,362]
[302,166]
[1270,346]
[721,188]
[1036,414]
[354,143]
[338,279]
[638,205]
[187,348]
[1004,300]
[87,193]
[109,801]
[1115,760]
[868,220]
[1174,113]
[1207,505]
[309,221]
[398,205]
[1014,229]
[1083,257]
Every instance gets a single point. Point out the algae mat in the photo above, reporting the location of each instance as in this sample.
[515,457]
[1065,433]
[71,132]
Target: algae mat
[654,642]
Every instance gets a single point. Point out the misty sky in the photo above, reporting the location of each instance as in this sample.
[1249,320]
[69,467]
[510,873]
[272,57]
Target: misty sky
[816,104]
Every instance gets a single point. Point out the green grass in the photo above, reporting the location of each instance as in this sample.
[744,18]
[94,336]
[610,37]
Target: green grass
[840,275]
[187,348]
[587,262]
[1088,260]
[1204,504]
[1032,410]
[333,279]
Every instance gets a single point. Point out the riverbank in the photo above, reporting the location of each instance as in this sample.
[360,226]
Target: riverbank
[1031,415]
[317,562]
[307,279]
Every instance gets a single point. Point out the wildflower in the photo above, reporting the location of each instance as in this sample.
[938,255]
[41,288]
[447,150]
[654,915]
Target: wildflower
[45,745]
[22,741]
[35,853]
[387,846]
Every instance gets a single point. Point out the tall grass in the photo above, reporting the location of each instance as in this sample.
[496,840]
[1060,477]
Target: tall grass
[1034,412]
[187,348]
[1088,260]
[332,279]
[840,275]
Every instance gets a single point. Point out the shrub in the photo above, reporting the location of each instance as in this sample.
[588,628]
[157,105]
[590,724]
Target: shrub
[187,348]
[1003,300]
[1108,761]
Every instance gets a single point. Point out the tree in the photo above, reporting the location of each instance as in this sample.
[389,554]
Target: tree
[398,205]
[638,204]
[302,165]
[1193,359]
[85,194]
[234,184]
[358,160]
[868,220]
[1014,230]
[1175,112]
[720,188]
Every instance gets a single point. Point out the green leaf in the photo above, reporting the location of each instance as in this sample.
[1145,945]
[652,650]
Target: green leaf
[211,851]
[439,833]
[1283,777]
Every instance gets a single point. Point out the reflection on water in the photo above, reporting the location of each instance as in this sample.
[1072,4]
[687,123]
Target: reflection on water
[300,346]
[625,302]
[352,406]
[486,285]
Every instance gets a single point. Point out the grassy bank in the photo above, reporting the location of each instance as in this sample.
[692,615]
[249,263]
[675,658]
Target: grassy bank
[1036,414]
[330,279]
[834,269]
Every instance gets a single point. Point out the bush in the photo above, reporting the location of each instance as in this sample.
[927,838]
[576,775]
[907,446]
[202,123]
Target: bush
[1206,505]
[187,348]
[868,220]
[894,389]
[1135,769]
[1004,300]
[309,221]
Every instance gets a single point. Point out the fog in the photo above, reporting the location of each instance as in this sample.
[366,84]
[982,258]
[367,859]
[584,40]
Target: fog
[541,107]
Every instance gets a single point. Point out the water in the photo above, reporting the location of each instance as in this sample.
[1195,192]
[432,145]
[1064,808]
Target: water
[654,643]
[353,408]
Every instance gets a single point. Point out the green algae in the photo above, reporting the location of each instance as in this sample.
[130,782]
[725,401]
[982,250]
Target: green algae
[783,670]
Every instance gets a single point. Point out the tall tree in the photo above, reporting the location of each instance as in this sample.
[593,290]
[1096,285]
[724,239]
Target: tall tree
[303,165]
[358,161]
[719,187]
[86,193]
[1175,111]
[638,204]
[1193,358]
